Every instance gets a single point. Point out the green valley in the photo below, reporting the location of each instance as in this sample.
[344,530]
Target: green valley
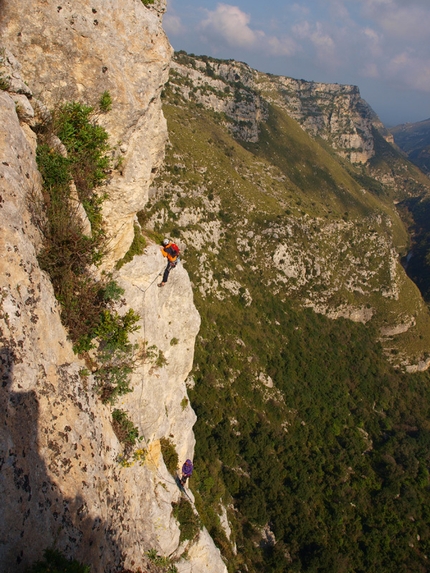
[310,431]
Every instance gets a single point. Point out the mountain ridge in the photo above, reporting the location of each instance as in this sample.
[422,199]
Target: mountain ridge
[300,169]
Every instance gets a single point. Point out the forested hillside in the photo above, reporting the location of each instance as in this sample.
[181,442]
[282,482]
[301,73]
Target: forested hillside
[317,446]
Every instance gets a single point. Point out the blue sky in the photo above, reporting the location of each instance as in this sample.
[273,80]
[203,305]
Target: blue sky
[383,46]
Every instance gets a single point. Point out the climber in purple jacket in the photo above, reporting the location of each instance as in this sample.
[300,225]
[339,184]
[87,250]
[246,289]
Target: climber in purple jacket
[187,470]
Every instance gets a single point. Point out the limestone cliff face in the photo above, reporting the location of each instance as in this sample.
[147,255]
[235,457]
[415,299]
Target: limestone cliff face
[335,112]
[61,482]
[75,50]
[223,91]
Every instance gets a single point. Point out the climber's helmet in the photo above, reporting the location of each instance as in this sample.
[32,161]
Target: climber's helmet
[165,242]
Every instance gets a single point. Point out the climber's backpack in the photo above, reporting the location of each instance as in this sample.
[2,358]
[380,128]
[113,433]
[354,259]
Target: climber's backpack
[173,251]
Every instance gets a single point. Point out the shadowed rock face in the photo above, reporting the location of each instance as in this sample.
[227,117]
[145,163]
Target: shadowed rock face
[49,458]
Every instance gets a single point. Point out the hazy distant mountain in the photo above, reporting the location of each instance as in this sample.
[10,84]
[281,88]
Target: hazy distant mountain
[414,140]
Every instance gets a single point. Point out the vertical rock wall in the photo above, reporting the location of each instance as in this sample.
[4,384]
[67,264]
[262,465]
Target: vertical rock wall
[75,50]
[61,484]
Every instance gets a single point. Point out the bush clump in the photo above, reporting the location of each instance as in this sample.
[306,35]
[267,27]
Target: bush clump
[55,562]
[68,253]
[189,522]
[136,247]
[105,102]
[126,432]
[170,455]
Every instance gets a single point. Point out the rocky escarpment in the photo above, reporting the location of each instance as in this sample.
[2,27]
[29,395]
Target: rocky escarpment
[62,483]
[335,112]
[220,87]
[246,99]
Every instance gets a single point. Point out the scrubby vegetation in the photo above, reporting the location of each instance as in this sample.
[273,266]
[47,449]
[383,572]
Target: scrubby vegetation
[170,455]
[164,563]
[68,252]
[189,522]
[55,562]
[136,248]
[4,83]
[334,458]
[72,154]
[105,102]
[125,430]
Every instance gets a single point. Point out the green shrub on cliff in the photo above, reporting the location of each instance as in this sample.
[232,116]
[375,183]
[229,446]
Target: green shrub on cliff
[105,102]
[125,430]
[69,250]
[189,522]
[170,455]
[136,248]
[55,562]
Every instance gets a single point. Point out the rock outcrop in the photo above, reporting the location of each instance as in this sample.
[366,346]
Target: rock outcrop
[62,481]
[335,112]
[76,51]
[216,86]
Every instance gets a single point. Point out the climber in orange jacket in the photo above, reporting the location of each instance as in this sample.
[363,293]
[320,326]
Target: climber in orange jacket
[171,251]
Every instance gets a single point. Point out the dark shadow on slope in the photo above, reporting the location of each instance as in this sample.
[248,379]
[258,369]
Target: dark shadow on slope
[416,212]
[34,515]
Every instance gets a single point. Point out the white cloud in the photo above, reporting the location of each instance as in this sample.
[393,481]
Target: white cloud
[370,70]
[386,41]
[400,41]
[408,69]
[391,44]
[339,10]
[173,25]
[302,30]
[229,25]
[300,9]
[172,22]
[322,41]
[371,43]
[399,19]
[280,47]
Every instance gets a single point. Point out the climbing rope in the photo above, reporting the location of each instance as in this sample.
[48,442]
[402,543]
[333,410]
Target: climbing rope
[150,284]
[141,394]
